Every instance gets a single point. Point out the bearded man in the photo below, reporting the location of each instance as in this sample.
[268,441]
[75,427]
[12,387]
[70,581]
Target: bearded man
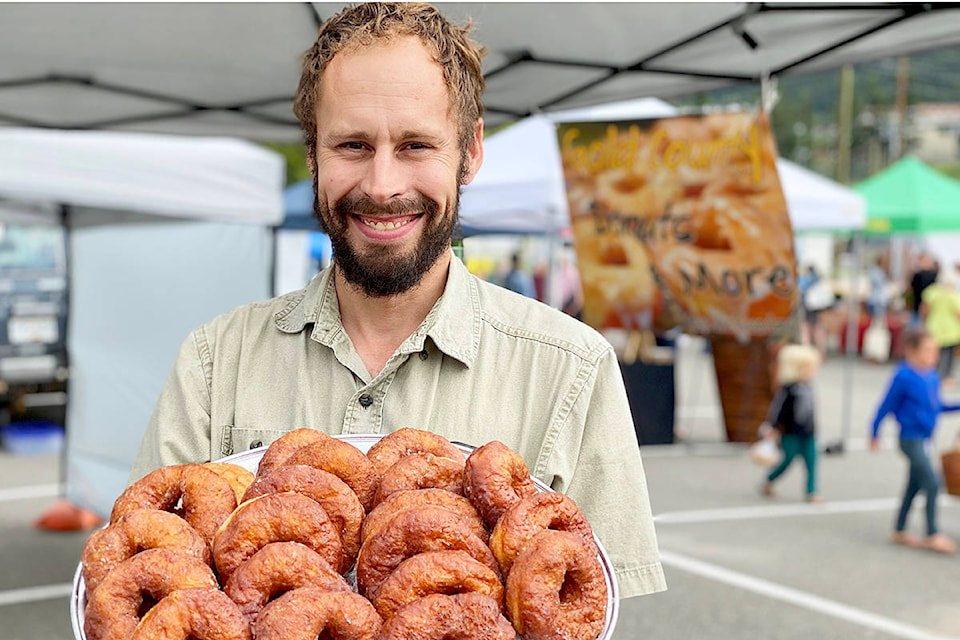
[396,332]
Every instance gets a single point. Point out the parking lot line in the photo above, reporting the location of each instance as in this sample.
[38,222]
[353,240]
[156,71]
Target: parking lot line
[776,511]
[31,491]
[796,597]
[34,594]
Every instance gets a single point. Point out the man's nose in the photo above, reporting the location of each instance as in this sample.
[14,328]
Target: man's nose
[386,177]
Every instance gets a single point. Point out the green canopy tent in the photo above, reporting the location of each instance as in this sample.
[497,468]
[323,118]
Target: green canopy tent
[910,196]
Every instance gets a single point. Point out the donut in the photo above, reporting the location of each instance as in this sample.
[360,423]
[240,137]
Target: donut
[309,613]
[494,479]
[530,516]
[421,471]
[445,572]
[135,532]
[284,446]
[275,569]
[386,451]
[198,495]
[193,614]
[337,499]
[402,500]
[343,460]
[276,517]
[413,531]
[114,609]
[462,616]
[238,477]
[556,589]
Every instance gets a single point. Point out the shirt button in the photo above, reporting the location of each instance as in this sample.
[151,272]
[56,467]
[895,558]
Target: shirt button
[256,445]
[365,401]
[424,355]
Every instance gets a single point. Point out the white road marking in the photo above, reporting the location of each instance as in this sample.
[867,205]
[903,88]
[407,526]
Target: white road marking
[796,597]
[32,491]
[35,594]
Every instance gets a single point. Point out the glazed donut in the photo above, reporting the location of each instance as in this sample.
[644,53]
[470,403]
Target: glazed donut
[390,448]
[309,613]
[193,614]
[337,499]
[205,498]
[275,569]
[445,572]
[530,516]
[113,610]
[556,589]
[135,532]
[285,446]
[413,531]
[402,500]
[343,460]
[276,517]
[238,477]
[421,471]
[462,616]
[494,479]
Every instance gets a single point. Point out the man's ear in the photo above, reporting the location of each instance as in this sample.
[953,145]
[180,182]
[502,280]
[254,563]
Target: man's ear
[474,156]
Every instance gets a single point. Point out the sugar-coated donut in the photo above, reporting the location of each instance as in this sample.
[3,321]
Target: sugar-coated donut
[115,608]
[530,516]
[556,589]
[193,614]
[275,569]
[195,493]
[389,449]
[337,499]
[462,616]
[445,572]
[310,613]
[494,479]
[413,531]
[136,532]
[275,517]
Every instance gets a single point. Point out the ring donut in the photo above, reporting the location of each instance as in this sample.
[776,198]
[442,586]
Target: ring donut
[389,449]
[275,517]
[238,477]
[421,471]
[193,614]
[283,447]
[402,500]
[494,479]
[462,616]
[134,533]
[343,460]
[204,498]
[309,613]
[275,569]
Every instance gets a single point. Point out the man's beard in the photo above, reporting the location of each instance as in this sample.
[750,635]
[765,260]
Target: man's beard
[382,271]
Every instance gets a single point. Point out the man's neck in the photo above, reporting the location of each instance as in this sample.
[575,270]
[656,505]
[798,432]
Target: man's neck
[378,326]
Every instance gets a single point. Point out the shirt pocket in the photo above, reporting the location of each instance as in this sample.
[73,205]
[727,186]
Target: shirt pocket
[240,439]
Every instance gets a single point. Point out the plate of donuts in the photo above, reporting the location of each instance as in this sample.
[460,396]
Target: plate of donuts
[358,571]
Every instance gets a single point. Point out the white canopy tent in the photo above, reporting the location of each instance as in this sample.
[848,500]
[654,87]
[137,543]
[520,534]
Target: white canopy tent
[163,233]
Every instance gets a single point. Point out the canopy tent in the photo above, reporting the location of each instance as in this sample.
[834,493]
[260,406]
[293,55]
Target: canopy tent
[520,189]
[163,234]
[910,196]
[231,68]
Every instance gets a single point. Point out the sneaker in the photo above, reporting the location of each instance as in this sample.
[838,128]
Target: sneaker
[814,498]
[767,489]
[940,543]
[906,539]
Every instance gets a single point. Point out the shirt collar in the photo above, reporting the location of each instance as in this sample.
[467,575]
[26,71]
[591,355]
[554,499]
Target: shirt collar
[453,323]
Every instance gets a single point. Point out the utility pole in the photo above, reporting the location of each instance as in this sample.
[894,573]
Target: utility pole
[899,144]
[845,124]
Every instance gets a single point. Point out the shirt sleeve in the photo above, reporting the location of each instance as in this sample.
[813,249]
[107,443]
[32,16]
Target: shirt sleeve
[179,429]
[889,403]
[607,479]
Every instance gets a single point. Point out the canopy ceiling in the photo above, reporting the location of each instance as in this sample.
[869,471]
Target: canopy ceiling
[230,69]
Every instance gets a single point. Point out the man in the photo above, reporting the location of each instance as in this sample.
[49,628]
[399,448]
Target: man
[396,332]
[923,277]
[518,281]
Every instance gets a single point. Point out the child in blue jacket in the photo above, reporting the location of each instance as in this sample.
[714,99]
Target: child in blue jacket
[913,397]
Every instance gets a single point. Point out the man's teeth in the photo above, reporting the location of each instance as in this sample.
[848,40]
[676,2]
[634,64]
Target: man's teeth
[383,225]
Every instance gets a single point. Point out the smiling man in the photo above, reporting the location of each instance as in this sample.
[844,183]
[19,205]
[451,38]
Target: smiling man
[396,332]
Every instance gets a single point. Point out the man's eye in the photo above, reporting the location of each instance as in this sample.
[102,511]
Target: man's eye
[354,146]
[416,146]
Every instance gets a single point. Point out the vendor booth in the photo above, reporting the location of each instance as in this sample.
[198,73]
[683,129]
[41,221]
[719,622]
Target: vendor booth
[163,233]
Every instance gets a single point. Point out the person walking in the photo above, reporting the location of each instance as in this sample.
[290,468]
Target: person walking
[913,397]
[941,313]
[791,416]
[517,280]
[923,277]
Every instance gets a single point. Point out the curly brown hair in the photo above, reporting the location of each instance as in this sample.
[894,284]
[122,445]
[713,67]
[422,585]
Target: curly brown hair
[458,56]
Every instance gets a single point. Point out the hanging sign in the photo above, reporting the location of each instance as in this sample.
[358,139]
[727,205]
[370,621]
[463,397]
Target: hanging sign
[680,221]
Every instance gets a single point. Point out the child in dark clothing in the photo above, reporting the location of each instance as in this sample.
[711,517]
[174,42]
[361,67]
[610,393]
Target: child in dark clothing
[913,397]
[792,414]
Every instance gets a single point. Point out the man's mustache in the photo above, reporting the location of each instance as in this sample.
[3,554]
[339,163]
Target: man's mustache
[362,205]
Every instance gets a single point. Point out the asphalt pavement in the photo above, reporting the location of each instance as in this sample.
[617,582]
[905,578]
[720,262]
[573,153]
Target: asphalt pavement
[738,565]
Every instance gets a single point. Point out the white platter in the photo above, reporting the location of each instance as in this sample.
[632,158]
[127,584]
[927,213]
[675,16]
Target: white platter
[250,459]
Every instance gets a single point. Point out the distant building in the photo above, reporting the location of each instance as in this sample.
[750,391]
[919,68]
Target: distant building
[935,131]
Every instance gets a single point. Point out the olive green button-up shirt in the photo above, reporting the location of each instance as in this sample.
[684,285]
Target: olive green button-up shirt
[486,364]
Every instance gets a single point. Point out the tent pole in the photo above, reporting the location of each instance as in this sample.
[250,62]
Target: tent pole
[853,321]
